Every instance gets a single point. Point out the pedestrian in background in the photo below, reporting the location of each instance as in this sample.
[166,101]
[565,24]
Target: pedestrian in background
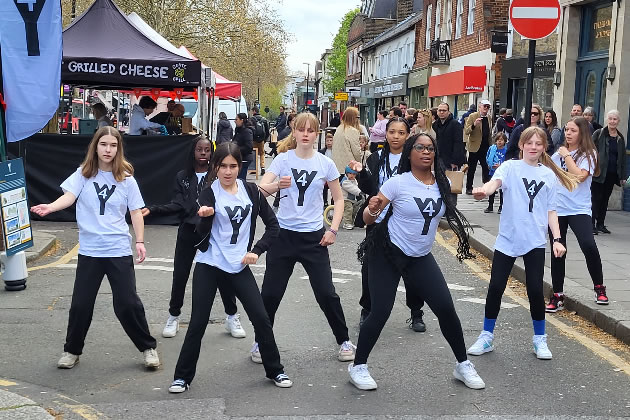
[477,132]
[225,132]
[401,245]
[281,121]
[590,116]
[611,152]
[505,123]
[513,142]
[578,157]
[100,114]
[423,123]
[529,188]
[494,158]
[449,138]
[229,208]
[351,196]
[378,130]
[471,108]
[346,145]
[188,185]
[244,139]
[551,127]
[326,151]
[104,189]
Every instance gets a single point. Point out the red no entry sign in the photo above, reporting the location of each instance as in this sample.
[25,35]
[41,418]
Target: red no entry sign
[535,19]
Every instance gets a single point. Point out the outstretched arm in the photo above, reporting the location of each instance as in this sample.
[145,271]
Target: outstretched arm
[487,189]
[63,202]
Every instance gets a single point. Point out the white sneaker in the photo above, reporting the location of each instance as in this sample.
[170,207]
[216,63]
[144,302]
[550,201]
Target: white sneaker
[151,359]
[68,360]
[482,345]
[465,372]
[178,386]
[256,357]
[348,226]
[360,377]
[540,347]
[171,327]
[234,327]
[346,351]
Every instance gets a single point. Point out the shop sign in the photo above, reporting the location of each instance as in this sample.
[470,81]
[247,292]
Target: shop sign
[367,90]
[341,96]
[395,86]
[600,29]
[16,223]
[418,78]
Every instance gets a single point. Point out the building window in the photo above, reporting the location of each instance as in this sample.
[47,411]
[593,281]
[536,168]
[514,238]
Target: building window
[448,21]
[438,18]
[427,35]
[458,19]
[471,17]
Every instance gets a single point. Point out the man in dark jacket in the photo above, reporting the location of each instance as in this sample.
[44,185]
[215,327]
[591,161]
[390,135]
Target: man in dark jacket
[281,121]
[449,136]
[472,108]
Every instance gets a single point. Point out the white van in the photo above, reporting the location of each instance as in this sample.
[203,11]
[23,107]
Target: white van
[231,108]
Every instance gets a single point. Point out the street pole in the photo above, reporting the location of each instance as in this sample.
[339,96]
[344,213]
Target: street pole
[531,58]
[308,75]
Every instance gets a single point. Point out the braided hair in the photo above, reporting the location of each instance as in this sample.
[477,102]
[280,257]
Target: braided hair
[379,236]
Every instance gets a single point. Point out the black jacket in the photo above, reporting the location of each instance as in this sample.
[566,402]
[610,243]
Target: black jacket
[505,126]
[450,140]
[601,139]
[368,183]
[260,206]
[244,138]
[281,122]
[284,133]
[265,124]
[224,131]
[184,203]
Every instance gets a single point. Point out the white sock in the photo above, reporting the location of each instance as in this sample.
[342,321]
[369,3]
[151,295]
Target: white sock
[172,318]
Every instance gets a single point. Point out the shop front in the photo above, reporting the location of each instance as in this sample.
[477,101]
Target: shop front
[390,92]
[458,88]
[365,101]
[514,82]
[418,84]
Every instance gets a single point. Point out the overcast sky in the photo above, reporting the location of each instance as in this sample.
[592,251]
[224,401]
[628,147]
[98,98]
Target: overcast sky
[313,25]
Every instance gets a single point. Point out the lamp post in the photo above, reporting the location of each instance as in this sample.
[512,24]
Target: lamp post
[308,74]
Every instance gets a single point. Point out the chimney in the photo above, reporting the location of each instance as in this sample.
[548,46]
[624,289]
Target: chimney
[404,8]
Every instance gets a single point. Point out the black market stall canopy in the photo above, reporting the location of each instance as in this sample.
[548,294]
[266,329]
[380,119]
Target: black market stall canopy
[102,48]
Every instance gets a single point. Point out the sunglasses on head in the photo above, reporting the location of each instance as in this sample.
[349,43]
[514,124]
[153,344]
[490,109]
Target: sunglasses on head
[422,148]
[535,114]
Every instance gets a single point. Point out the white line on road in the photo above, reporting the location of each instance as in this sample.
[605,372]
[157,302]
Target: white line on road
[504,305]
[535,13]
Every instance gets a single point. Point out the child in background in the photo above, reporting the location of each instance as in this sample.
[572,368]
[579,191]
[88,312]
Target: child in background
[351,196]
[495,157]
[365,148]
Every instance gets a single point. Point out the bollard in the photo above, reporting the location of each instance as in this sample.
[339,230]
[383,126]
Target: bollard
[14,272]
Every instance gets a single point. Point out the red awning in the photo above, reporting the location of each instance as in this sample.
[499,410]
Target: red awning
[471,79]
[227,89]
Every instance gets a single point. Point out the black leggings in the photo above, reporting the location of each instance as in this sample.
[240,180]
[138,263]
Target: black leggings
[127,305]
[185,252]
[580,225]
[491,198]
[426,280]
[415,303]
[600,193]
[303,247]
[502,265]
[205,281]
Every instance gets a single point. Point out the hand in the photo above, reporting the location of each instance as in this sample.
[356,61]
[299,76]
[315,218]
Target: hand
[563,151]
[355,166]
[205,211]
[145,212]
[453,167]
[558,249]
[328,238]
[249,258]
[42,209]
[284,182]
[495,166]
[477,122]
[479,193]
[141,252]
[374,204]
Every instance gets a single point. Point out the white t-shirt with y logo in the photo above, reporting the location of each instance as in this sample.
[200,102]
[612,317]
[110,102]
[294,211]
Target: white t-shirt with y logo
[229,236]
[417,211]
[577,201]
[102,204]
[394,162]
[529,194]
[301,209]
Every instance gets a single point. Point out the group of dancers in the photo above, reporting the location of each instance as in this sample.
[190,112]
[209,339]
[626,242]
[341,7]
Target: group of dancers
[410,193]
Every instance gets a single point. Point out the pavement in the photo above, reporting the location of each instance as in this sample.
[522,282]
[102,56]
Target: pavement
[579,295]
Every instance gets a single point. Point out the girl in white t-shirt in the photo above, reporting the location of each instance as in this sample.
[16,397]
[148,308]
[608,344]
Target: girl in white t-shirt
[529,189]
[578,157]
[228,211]
[400,246]
[301,174]
[104,188]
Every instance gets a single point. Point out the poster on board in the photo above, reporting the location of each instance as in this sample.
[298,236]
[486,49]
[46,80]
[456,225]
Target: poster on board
[16,221]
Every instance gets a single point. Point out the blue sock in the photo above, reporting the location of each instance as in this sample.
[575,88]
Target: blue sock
[539,327]
[488,324]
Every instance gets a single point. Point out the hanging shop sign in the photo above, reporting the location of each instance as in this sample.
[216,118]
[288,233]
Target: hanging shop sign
[394,86]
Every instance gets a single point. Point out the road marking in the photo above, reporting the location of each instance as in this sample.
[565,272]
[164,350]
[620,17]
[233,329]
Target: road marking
[4,382]
[334,279]
[504,305]
[148,259]
[82,410]
[136,267]
[590,344]
[63,260]
[535,13]
[455,286]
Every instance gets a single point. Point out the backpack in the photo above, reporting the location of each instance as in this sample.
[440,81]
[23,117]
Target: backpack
[259,129]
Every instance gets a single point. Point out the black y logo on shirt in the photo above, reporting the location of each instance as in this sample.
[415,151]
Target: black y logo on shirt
[429,209]
[302,180]
[532,189]
[237,215]
[103,193]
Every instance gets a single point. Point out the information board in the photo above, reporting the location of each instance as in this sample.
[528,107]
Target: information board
[16,221]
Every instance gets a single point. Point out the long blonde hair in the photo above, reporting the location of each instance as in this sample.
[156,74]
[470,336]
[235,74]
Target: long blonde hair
[121,168]
[569,181]
[299,122]
[350,118]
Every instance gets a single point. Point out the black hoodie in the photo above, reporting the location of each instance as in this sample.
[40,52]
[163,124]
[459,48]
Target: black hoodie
[450,140]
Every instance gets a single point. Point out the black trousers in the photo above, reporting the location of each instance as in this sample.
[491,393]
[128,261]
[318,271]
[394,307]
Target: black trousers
[415,303]
[184,255]
[473,158]
[303,247]
[502,265]
[491,198]
[425,279]
[580,225]
[600,193]
[206,278]
[127,305]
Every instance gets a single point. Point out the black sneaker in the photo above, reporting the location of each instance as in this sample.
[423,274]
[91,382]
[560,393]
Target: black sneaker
[469,191]
[500,210]
[603,229]
[595,230]
[489,210]
[178,386]
[262,171]
[282,380]
[415,322]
